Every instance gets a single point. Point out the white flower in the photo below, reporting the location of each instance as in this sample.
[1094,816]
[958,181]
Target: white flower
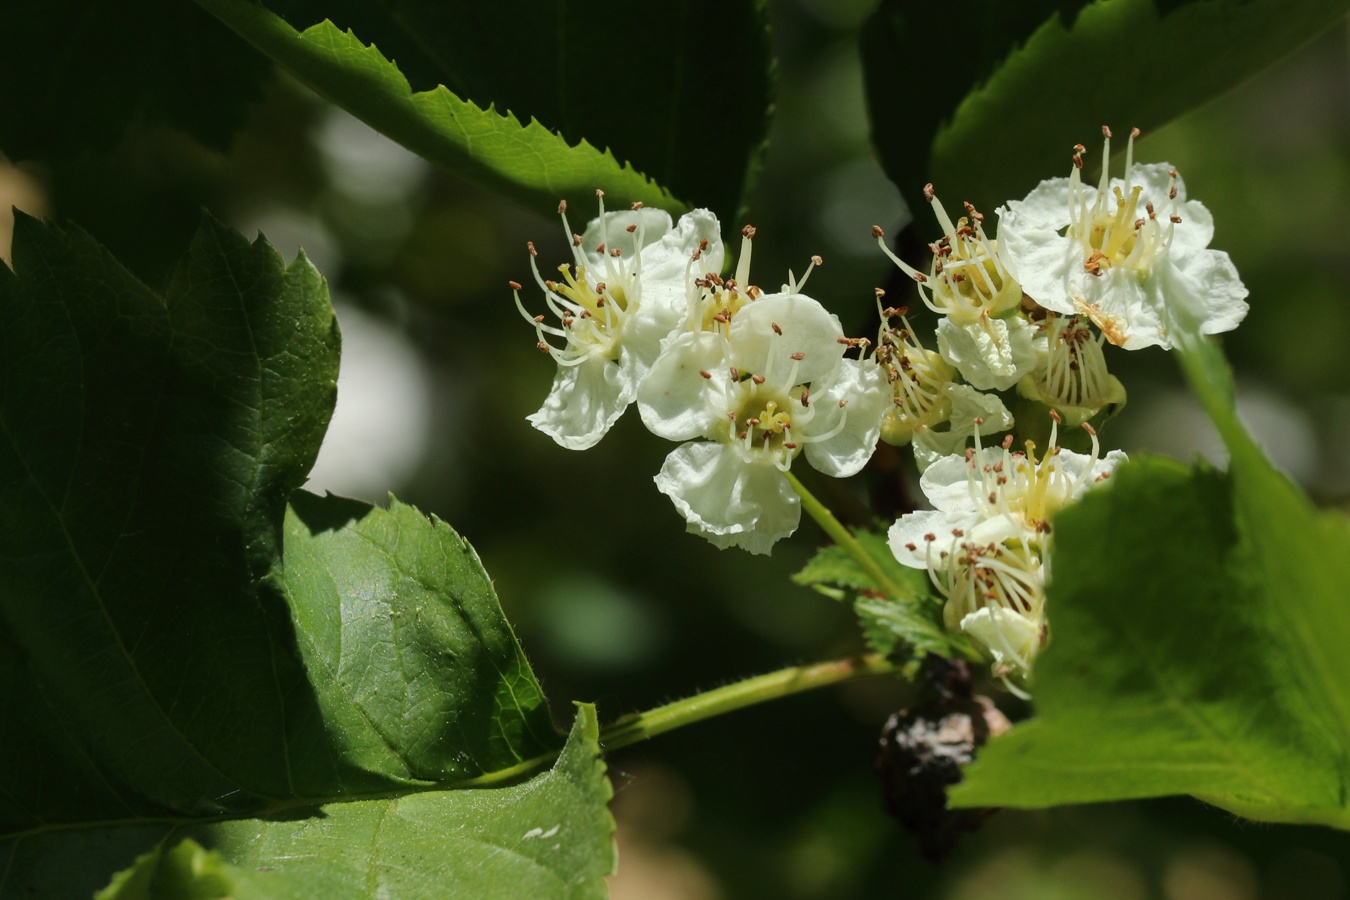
[968,280]
[929,408]
[1131,254]
[992,354]
[1071,376]
[759,390]
[986,543]
[982,332]
[626,291]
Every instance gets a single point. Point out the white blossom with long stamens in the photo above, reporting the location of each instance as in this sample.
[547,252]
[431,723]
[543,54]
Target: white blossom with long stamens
[749,398]
[1131,254]
[1071,376]
[986,543]
[615,306]
[929,408]
[982,332]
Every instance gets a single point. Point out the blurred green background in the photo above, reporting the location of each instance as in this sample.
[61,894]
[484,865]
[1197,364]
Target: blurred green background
[612,600]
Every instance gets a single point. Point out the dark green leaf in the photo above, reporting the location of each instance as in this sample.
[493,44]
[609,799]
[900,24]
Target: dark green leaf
[992,131]
[415,667]
[526,162]
[680,90]
[915,77]
[889,623]
[74,73]
[1200,627]
[164,672]
[546,837]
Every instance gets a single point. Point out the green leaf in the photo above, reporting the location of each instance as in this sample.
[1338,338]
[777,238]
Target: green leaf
[415,667]
[889,623]
[186,872]
[1124,63]
[581,70]
[546,837]
[528,163]
[901,59]
[166,674]
[75,72]
[1199,627]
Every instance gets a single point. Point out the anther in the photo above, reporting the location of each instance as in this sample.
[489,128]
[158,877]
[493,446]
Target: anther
[748,231]
[599,248]
[928,193]
[877,232]
[636,206]
[789,445]
[530,244]
[515,285]
[539,318]
[615,252]
[543,345]
[776,330]
[1135,132]
[817,260]
[1106,132]
[735,373]
[562,207]
[757,379]
[1054,414]
[705,373]
[798,356]
[806,397]
[576,240]
[599,193]
[631,228]
[1175,220]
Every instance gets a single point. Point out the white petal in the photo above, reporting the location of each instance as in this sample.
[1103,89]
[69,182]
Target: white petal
[867,396]
[667,260]
[1010,638]
[1207,287]
[612,231]
[674,399]
[806,328]
[649,327]
[585,401]
[731,502]
[908,536]
[1038,257]
[968,404]
[947,484]
[991,354]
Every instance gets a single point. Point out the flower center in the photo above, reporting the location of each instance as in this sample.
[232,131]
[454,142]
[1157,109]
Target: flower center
[1007,575]
[591,313]
[762,420]
[1108,223]
[967,280]
[1075,367]
[918,380]
[1027,490]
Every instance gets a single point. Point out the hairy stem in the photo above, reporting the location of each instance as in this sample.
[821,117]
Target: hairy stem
[783,683]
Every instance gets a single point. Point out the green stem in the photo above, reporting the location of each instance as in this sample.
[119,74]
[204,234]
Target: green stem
[785,682]
[845,539]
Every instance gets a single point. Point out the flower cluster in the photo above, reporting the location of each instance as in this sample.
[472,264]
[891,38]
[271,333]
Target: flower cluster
[747,381]
[986,543]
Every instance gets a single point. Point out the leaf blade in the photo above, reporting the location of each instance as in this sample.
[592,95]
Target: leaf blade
[526,163]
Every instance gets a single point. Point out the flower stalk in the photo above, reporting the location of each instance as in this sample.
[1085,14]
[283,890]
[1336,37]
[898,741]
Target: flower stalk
[638,727]
[845,539]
